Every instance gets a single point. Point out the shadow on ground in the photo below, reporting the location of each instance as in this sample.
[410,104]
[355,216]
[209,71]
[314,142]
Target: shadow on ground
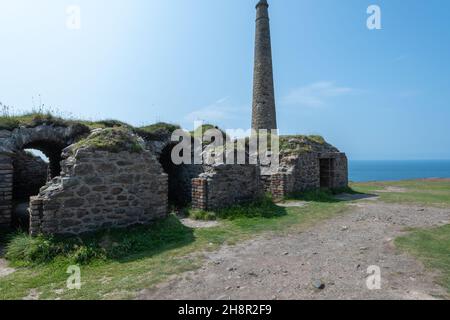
[331,196]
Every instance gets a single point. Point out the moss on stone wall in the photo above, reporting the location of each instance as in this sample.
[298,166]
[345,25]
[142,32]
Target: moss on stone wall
[112,140]
[157,130]
[300,144]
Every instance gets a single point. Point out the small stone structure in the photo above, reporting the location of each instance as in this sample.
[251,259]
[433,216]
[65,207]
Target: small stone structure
[306,164]
[100,189]
[223,185]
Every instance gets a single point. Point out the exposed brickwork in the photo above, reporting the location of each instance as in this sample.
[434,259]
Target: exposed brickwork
[6,186]
[278,187]
[200,194]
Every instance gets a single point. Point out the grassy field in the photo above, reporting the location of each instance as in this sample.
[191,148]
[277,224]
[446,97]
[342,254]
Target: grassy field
[119,264]
[139,259]
[421,192]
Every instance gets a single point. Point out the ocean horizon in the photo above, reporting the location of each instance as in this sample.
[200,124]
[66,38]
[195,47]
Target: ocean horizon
[392,170]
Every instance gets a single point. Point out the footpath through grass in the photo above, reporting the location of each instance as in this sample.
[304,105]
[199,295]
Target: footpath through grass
[118,264]
[431,246]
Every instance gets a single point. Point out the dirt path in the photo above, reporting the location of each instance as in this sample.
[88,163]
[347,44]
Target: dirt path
[4,269]
[337,252]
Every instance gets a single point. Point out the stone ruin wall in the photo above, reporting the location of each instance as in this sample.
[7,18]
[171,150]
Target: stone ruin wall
[226,185]
[99,189]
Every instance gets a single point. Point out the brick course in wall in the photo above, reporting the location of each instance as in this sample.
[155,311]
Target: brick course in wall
[6,186]
[199,193]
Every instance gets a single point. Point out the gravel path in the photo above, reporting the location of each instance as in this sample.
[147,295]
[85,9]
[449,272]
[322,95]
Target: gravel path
[335,254]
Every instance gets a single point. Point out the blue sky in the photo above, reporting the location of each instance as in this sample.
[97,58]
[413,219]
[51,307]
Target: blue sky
[375,94]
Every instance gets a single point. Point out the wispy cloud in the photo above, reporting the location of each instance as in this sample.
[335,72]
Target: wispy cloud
[316,94]
[215,112]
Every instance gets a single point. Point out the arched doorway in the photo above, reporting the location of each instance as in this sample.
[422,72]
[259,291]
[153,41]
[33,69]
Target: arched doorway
[38,162]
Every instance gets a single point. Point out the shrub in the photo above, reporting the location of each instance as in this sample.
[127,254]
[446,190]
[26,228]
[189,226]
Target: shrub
[26,249]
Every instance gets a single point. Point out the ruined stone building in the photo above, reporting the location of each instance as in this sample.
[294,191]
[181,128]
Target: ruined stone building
[109,174]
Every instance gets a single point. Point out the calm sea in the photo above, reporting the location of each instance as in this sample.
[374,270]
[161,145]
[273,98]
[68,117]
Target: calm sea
[362,170]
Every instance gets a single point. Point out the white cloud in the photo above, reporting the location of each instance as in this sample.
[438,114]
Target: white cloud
[315,94]
[215,112]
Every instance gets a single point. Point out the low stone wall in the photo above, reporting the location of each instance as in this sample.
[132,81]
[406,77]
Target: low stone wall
[6,187]
[100,189]
[30,174]
[222,186]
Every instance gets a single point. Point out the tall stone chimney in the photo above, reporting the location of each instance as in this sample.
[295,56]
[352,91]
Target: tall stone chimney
[263,109]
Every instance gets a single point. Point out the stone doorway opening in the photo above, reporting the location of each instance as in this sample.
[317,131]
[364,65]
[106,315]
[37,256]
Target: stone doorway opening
[179,177]
[173,172]
[33,166]
[326,173]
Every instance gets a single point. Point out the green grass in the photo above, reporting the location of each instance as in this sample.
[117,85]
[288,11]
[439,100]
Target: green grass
[111,139]
[131,260]
[23,250]
[432,246]
[118,264]
[420,192]
[34,119]
[264,208]
[299,144]
[42,116]
[157,130]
